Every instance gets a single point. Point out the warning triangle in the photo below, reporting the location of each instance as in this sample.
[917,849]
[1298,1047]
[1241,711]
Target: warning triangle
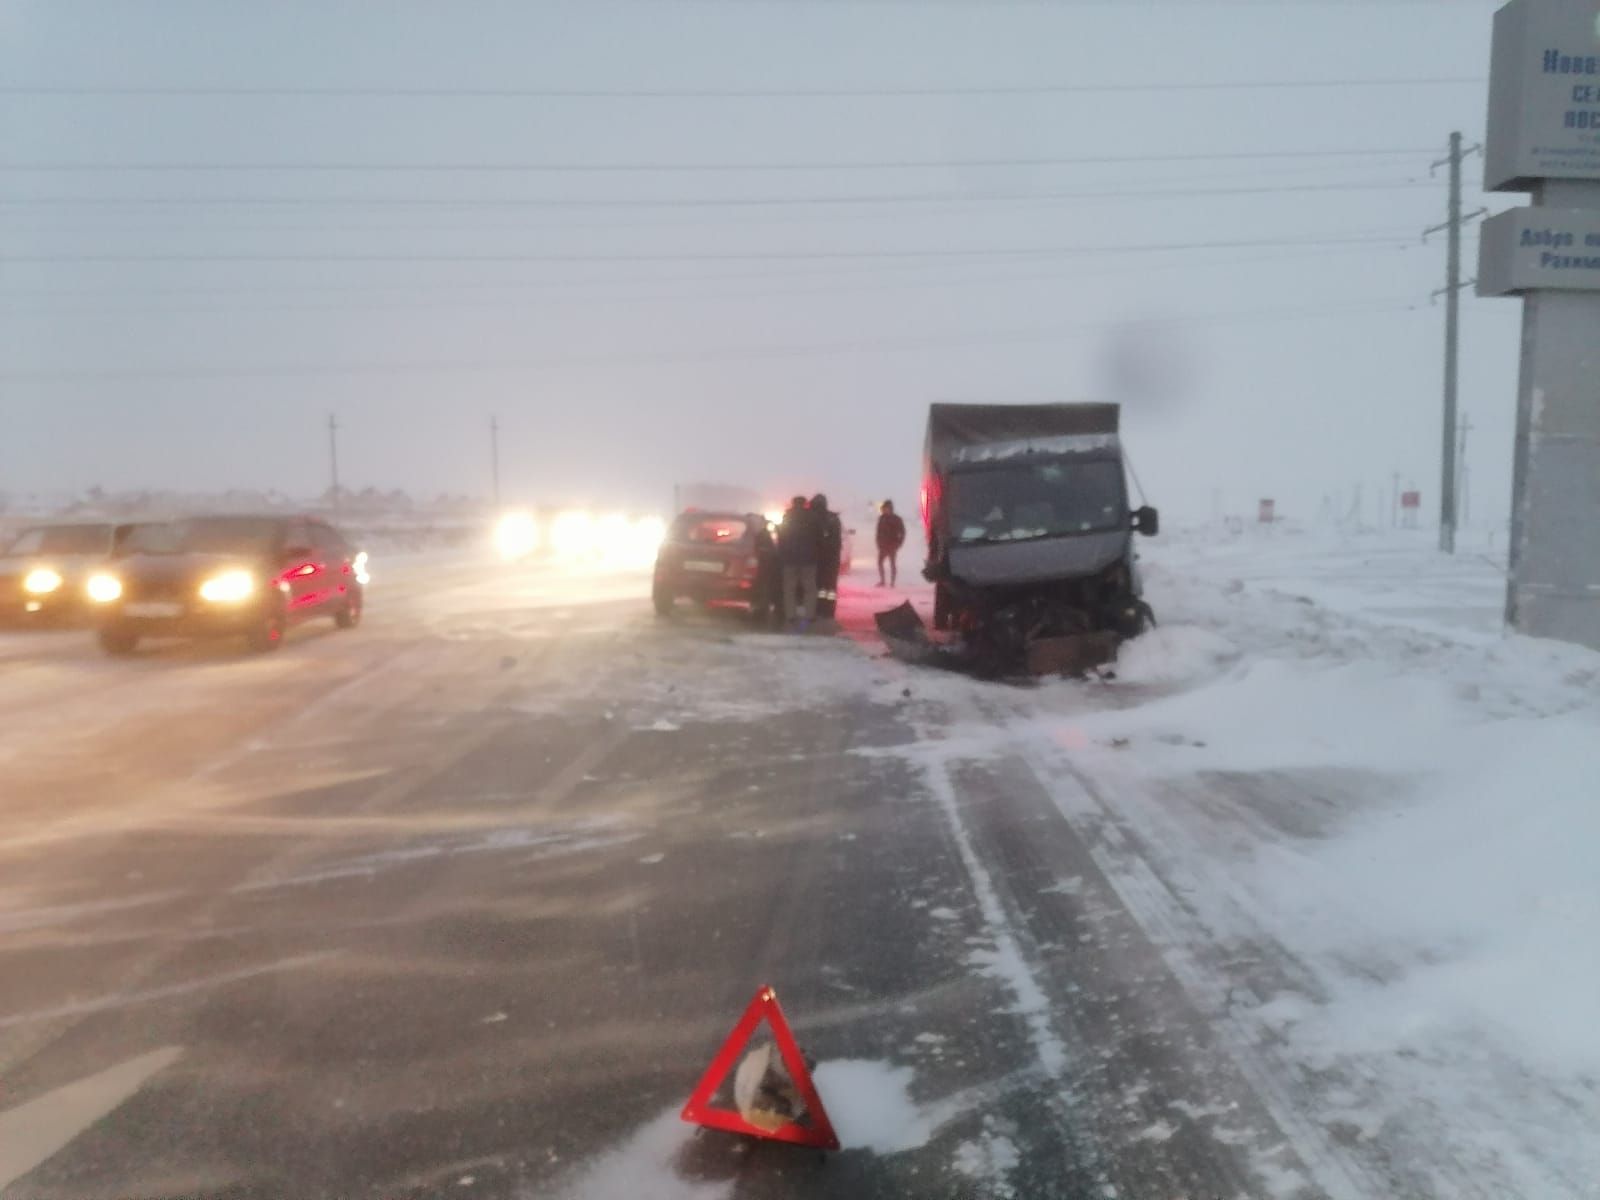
[816,1131]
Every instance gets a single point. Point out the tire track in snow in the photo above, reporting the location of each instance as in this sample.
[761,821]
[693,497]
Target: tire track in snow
[1008,962]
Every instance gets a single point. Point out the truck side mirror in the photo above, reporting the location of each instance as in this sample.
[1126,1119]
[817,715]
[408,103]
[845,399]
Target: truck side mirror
[1147,521]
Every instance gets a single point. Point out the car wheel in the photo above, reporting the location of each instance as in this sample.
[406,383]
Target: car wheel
[118,642]
[662,601]
[348,615]
[941,607]
[266,636]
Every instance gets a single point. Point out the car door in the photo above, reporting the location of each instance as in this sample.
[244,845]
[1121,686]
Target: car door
[335,553]
[303,569]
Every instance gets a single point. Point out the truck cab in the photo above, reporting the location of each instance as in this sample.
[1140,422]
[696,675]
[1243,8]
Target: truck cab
[1029,525]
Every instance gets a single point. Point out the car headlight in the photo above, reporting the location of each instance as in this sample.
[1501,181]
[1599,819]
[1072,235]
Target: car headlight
[40,581]
[516,536]
[230,587]
[359,566]
[103,589]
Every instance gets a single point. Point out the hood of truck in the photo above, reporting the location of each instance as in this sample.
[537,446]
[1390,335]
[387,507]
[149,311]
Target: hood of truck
[992,564]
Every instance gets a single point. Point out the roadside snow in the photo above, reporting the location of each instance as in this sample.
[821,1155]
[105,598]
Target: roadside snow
[1401,801]
[1172,654]
[644,1165]
[870,1105]
[1361,820]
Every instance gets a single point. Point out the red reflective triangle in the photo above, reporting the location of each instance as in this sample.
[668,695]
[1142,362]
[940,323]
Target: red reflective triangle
[818,1133]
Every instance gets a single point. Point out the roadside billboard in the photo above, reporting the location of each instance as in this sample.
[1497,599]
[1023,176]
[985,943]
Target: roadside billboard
[1544,95]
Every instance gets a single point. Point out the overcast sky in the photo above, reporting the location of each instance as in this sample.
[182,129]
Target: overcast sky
[779,302]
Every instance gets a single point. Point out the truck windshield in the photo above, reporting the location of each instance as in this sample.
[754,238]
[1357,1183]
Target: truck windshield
[1035,500]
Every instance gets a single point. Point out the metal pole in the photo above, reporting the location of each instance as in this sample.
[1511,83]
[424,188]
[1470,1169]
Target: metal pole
[333,457]
[494,458]
[1452,314]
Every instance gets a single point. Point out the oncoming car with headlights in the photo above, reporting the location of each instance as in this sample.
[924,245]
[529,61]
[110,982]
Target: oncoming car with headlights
[227,576]
[44,568]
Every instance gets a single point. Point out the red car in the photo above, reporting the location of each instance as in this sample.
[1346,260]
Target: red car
[712,558]
[222,575]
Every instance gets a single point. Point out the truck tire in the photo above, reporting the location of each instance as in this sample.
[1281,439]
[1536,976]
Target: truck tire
[662,600]
[941,607]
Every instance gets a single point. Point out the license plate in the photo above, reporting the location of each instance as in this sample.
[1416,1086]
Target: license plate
[708,568]
[153,608]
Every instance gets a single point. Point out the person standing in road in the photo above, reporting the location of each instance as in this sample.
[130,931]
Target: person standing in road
[798,543]
[891,536]
[830,548]
[764,598]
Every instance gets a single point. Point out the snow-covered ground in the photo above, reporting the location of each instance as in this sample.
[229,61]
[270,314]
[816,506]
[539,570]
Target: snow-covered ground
[1329,805]
[1359,821]
[1363,824]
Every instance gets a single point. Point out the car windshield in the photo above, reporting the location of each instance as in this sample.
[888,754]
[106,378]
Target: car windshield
[213,535]
[1036,500]
[62,539]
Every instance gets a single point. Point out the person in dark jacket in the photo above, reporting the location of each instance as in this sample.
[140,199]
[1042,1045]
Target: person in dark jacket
[891,536]
[830,548]
[764,598]
[798,542]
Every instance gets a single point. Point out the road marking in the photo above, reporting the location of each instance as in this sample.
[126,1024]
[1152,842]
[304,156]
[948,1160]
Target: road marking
[37,1130]
[1006,962]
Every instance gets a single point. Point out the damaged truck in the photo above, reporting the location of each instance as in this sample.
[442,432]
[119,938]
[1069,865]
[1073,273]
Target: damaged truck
[1030,536]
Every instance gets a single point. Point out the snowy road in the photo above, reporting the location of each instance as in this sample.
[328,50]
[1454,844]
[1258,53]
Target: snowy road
[463,902]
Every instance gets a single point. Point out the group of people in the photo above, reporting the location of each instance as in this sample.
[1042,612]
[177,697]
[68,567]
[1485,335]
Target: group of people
[807,557]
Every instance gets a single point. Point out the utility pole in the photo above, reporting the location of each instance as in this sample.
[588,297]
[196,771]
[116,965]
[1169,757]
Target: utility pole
[333,458]
[1462,495]
[1452,321]
[1394,503]
[494,459]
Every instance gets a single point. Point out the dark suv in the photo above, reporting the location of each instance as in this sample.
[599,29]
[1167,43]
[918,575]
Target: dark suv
[220,576]
[715,557]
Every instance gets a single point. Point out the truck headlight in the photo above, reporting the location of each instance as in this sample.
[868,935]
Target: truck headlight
[103,589]
[41,581]
[230,587]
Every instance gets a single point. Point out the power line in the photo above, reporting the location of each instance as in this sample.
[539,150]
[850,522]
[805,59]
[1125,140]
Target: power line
[965,203]
[714,256]
[1253,173]
[532,168]
[875,345]
[859,93]
[566,299]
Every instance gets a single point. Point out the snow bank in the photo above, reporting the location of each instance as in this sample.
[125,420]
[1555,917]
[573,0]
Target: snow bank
[1174,654]
[644,1166]
[1486,889]
[870,1105]
[1270,713]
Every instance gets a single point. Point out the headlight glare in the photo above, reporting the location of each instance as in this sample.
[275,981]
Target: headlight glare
[230,587]
[103,589]
[41,580]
